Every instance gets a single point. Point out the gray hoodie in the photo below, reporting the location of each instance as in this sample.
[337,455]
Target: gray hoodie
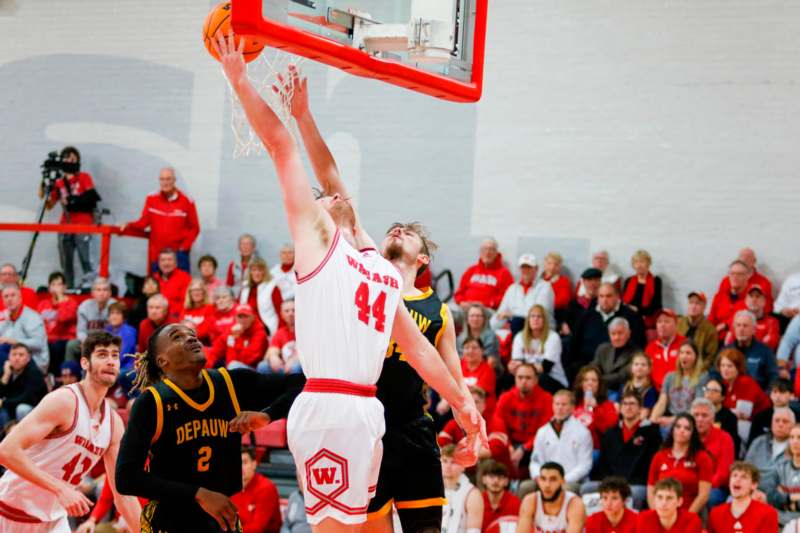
[29,330]
[90,317]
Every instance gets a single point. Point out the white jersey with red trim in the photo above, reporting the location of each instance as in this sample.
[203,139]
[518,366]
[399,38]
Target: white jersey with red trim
[345,312]
[67,455]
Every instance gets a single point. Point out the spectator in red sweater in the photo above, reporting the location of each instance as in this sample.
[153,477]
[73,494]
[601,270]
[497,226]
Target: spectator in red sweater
[642,291]
[497,499]
[197,310]
[172,219]
[207,265]
[60,316]
[258,503]
[157,315]
[562,286]
[244,343]
[238,270]
[614,516]
[748,257]
[718,444]
[282,356]
[478,372]
[592,406]
[10,276]
[520,413]
[486,281]
[173,282]
[767,326]
[724,303]
[663,350]
[744,396]
[224,314]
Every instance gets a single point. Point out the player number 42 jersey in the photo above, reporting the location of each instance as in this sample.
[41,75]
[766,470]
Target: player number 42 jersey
[345,313]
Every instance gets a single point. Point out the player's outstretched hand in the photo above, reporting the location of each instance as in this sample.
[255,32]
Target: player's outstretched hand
[231,57]
[74,501]
[296,89]
[219,506]
[470,419]
[248,421]
[466,453]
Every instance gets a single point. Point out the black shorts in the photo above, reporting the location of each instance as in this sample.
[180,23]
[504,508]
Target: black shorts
[410,477]
[165,518]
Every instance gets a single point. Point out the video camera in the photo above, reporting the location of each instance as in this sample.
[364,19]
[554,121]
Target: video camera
[52,169]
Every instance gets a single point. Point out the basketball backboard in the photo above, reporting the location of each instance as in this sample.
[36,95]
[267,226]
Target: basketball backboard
[434,47]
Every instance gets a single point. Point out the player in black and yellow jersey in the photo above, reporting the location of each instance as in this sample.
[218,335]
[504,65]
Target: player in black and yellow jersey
[181,424]
[411,473]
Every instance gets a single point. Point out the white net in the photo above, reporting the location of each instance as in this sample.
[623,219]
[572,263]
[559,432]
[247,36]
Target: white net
[264,72]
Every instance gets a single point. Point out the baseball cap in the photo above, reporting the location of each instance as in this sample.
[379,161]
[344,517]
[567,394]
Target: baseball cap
[755,287]
[698,294]
[592,273]
[244,309]
[668,312]
[527,259]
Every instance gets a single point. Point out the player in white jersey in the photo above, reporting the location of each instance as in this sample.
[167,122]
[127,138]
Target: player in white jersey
[463,512]
[551,509]
[50,450]
[347,309]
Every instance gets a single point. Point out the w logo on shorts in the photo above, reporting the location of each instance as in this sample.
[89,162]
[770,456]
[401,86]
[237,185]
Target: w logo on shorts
[327,478]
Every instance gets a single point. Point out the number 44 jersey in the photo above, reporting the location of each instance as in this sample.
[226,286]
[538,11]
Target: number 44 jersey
[67,455]
[345,311]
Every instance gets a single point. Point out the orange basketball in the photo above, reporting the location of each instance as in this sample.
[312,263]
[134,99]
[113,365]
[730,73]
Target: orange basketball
[219,20]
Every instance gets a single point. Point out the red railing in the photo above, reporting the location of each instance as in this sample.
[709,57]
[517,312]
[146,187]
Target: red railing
[104,231]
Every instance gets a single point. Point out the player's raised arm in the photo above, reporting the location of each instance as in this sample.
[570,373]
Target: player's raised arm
[54,413]
[128,506]
[302,211]
[424,358]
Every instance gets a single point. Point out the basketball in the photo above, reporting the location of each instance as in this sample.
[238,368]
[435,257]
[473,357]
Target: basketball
[219,20]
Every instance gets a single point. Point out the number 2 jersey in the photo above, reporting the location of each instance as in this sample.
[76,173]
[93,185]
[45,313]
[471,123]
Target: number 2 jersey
[345,312]
[67,455]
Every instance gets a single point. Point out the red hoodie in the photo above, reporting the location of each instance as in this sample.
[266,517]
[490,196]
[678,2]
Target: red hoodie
[172,221]
[248,348]
[520,418]
[60,319]
[484,284]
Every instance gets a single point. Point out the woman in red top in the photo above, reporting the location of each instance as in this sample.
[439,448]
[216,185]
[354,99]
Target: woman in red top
[198,310]
[683,458]
[592,406]
[224,314]
[562,287]
[60,316]
[478,372]
[642,291]
[744,397]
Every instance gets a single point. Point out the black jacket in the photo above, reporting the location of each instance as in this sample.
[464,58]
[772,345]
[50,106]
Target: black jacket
[29,388]
[631,459]
[592,331]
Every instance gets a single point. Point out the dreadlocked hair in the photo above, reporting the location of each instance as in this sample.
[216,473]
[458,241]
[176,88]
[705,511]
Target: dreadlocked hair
[145,366]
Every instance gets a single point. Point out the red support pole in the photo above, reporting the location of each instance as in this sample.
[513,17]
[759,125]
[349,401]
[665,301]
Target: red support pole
[105,254]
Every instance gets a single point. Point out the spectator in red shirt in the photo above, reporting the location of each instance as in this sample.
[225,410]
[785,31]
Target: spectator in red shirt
[683,458]
[478,372]
[744,397]
[157,316]
[486,281]
[767,326]
[60,315]
[592,406]
[729,295]
[748,257]
[663,350]
[197,310]
[173,282]
[224,314]
[668,512]
[258,503]
[282,356]
[244,343]
[642,291]
[207,265]
[497,500]
[743,513]
[10,276]
[172,219]
[78,198]
[614,517]
[262,294]
[519,414]
[719,446]
[238,271]
[562,286]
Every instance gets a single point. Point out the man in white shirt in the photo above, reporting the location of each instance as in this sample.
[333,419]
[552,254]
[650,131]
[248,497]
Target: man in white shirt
[521,296]
[788,301]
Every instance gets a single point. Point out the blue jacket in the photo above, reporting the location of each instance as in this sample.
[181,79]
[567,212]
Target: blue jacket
[760,361]
[129,337]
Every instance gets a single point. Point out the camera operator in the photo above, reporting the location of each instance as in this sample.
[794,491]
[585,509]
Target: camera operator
[75,191]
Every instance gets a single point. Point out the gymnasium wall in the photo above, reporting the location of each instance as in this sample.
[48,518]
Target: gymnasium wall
[672,126]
